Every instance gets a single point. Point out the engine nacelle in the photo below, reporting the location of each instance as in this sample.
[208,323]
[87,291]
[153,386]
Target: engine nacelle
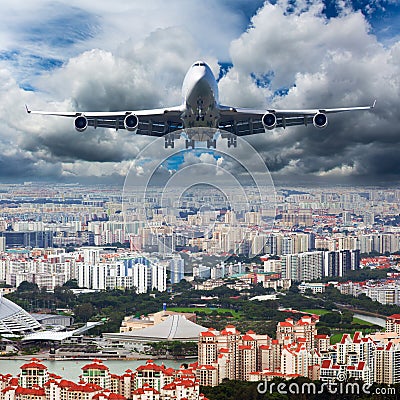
[80,123]
[320,120]
[269,120]
[131,122]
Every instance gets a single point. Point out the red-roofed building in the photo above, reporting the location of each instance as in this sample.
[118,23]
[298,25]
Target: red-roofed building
[232,354]
[208,347]
[303,328]
[33,373]
[146,393]
[248,338]
[387,363]
[321,342]
[357,348]
[84,391]
[156,376]
[108,396]
[269,356]
[331,372]
[185,374]
[181,389]
[97,373]
[393,323]
[295,360]
[247,360]
[207,375]
[207,334]
[5,381]
[68,390]
[33,393]
[127,383]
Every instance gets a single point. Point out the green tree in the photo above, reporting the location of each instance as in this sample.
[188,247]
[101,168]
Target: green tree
[324,330]
[83,312]
[64,295]
[347,317]
[332,318]
[71,284]
[26,286]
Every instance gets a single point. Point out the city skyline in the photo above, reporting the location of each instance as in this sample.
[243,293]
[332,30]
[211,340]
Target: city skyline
[74,56]
[67,249]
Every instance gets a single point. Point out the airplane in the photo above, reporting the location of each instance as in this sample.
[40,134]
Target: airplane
[200,117]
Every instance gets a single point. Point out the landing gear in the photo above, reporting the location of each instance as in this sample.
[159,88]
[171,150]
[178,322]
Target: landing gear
[189,143]
[169,141]
[232,141]
[211,144]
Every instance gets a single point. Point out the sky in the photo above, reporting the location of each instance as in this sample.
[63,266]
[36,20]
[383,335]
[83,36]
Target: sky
[99,56]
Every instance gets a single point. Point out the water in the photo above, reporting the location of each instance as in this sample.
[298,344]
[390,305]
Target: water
[373,320]
[71,369]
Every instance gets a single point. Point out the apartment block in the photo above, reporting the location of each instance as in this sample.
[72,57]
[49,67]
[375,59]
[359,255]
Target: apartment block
[149,382]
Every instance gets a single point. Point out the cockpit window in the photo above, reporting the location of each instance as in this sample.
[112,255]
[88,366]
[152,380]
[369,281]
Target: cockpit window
[199,64]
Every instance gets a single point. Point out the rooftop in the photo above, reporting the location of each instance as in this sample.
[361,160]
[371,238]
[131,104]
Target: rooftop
[175,327]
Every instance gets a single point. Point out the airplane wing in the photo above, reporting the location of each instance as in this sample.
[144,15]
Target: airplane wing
[244,121]
[156,122]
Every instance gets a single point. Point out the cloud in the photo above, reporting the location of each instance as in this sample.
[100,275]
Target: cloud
[323,63]
[85,56]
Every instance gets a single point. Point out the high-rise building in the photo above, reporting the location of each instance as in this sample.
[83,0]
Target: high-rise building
[338,263]
[97,373]
[176,266]
[369,218]
[393,323]
[128,272]
[387,363]
[43,239]
[310,265]
[33,373]
[346,217]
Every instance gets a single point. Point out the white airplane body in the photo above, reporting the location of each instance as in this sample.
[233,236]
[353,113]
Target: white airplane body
[200,110]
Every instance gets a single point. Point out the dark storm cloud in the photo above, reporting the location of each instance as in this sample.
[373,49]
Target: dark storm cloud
[313,60]
[326,63]
[21,165]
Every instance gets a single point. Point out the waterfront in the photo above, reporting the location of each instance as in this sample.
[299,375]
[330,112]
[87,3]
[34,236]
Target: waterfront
[71,369]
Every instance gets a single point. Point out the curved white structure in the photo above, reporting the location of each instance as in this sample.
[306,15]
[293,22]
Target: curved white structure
[175,327]
[14,319]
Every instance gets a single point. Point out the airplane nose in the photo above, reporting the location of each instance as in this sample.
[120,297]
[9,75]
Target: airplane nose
[199,73]
[198,82]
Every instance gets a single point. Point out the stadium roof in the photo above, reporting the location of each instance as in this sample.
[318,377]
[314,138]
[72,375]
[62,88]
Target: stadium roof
[175,327]
[59,336]
[14,319]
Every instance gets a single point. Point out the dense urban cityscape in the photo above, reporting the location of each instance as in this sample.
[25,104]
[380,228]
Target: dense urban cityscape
[199,200]
[324,244]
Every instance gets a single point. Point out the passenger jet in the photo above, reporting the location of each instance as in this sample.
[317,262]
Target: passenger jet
[200,117]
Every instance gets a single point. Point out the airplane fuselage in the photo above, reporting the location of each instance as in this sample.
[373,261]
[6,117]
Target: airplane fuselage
[200,97]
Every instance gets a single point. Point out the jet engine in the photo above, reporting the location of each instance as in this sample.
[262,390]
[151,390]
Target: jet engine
[269,120]
[131,122]
[320,120]
[80,123]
